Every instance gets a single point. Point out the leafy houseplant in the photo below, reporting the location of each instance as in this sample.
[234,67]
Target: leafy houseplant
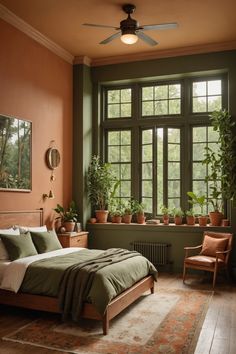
[101,184]
[165,214]
[222,164]
[128,211]
[178,215]
[116,210]
[201,202]
[138,209]
[68,216]
[190,217]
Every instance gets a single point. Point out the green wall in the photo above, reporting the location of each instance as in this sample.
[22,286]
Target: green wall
[103,236]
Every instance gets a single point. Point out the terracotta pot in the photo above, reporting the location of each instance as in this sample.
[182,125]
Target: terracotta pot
[190,220]
[215,218]
[202,220]
[140,218]
[165,219]
[116,219]
[101,216]
[93,220]
[178,220]
[127,218]
[69,226]
[225,222]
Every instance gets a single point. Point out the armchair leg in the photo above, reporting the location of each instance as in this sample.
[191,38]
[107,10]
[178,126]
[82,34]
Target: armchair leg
[214,276]
[184,273]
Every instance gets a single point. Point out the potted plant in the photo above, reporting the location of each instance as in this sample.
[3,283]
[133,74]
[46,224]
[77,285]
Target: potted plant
[165,215]
[139,211]
[116,210]
[68,216]
[101,184]
[190,217]
[178,215]
[128,211]
[222,164]
[201,202]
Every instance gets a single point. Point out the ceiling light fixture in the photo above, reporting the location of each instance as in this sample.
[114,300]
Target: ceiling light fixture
[129,38]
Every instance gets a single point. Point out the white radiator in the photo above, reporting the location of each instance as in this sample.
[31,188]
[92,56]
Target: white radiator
[157,253]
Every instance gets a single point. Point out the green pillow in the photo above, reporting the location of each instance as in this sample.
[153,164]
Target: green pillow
[45,241]
[19,246]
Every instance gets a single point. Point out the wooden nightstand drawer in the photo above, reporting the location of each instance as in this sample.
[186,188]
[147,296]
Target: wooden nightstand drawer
[80,239]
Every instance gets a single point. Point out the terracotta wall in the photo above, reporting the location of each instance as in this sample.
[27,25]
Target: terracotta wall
[36,85]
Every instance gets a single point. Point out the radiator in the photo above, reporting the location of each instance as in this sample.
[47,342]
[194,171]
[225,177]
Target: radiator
[157,253]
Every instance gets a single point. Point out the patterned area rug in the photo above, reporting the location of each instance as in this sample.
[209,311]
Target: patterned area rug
[168,321]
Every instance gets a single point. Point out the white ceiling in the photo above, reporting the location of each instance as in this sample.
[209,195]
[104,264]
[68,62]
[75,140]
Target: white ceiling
[203,25]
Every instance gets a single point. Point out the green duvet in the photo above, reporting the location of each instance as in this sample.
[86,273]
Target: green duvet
[100,275]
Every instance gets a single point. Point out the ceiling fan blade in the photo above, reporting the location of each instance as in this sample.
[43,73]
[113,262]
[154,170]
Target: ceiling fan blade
[94,25]
[146,38]
[109,39]
[161,26]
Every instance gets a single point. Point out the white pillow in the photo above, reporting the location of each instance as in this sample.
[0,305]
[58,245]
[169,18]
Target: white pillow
[24,229]
[3,251]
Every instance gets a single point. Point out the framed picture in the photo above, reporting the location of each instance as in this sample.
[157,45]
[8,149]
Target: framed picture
[15,154]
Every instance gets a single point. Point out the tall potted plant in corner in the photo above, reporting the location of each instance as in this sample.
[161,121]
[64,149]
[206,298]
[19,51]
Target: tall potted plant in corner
[201,202]
[101,183]
[222,164]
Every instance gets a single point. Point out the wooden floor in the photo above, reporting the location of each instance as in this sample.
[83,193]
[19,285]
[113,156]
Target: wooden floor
[218,333]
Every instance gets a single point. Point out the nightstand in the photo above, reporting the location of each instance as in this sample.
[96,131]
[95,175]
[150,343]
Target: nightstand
[74,239]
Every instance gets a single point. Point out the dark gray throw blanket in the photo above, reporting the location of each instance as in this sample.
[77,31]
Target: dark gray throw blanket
[78,278]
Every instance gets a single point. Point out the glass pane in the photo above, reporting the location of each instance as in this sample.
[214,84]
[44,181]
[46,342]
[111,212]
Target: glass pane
[200,188]
[173,189]
[113,154]
[173,203]
[125,187]
[173,152]
[125,171]
[199,170]
[198,151]
[147,108]
[125,137]
[113,111]
[174,91]
[215,147]
[147,136]
[125,152]
[173,135]
[147,153]
[199,134]
[161,92]
[214,87]
[125,110]
[147,170]
[147,93]
[116,170]
[161,107]
[214,103]
[199,88]
[147,204]
[126,95]
[212,134]
[113,96]
[173,170]
[174,106]
[199,104]
[113,138]
[147,188]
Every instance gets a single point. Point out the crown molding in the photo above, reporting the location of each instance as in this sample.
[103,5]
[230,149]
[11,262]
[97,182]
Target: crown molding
[30,31]
[175,52]
[83,60]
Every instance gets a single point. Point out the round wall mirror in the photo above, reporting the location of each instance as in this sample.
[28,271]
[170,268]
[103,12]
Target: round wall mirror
[52,158]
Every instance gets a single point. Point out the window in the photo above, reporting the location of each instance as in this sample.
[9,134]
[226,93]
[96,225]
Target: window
[157,149]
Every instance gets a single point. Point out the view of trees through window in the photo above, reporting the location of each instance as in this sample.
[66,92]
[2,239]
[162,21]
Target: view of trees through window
[156,143]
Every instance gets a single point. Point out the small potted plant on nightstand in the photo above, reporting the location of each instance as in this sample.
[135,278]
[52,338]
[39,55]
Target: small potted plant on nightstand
[68,216]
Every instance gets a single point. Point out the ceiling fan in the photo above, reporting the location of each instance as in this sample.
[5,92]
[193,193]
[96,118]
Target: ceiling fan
[130,31]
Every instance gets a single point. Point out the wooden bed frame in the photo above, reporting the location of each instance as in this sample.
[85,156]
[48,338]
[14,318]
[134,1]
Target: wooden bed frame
[51,304]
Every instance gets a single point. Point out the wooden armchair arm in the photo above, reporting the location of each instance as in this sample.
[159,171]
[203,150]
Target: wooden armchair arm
[187,249]
[223,252]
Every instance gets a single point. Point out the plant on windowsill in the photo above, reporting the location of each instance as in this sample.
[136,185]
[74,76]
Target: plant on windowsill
[68,216]
[190,217]
[116,210]
[201,202]
[165,214]
[178,215]
[138,209]
[128,211]
[101,186]
[222,164]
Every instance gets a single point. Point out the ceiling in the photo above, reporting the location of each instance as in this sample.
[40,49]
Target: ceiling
[202,24]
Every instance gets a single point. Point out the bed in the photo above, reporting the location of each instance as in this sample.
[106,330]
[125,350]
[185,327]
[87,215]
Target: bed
[51,304]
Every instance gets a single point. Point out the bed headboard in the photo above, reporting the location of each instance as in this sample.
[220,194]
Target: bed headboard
[24,218]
